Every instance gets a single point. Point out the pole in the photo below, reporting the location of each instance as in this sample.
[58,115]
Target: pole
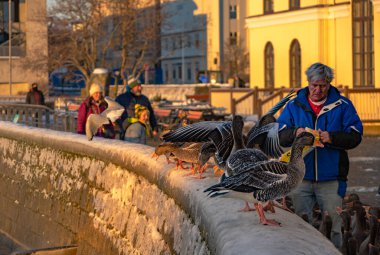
[10,44]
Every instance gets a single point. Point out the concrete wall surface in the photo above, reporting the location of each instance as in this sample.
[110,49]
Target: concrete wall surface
[111,197]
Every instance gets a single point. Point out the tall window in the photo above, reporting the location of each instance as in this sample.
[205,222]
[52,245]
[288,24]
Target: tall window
[233,12]
[362,41]
[233,38]
[268,6]
[295,64]
[269,65]
[294,4]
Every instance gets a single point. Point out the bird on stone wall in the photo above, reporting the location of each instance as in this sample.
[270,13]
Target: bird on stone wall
[110,115]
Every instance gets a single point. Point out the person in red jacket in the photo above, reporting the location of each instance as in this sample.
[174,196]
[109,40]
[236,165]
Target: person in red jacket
[94,104]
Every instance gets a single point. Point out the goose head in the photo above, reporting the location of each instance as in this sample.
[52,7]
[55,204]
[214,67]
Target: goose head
[305,139]
[206,152]
[163,149]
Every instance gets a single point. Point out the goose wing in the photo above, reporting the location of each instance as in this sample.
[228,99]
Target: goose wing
[93,123]
[281,103]
[257,176]
[244,159]
[271,144]
[219,132]
[197,132]
[113,111]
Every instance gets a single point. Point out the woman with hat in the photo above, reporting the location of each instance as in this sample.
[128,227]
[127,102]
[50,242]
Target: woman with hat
[94,104]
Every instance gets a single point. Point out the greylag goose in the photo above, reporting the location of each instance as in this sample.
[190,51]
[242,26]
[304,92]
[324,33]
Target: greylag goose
[265,133]
[111,114]
[266,180]
[183,152]
[370,239]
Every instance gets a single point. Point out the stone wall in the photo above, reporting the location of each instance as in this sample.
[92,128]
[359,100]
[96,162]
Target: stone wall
[111,197]
[50,197]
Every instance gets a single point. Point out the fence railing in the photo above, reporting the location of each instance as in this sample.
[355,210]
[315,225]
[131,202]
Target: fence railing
[258,101]
[38,116]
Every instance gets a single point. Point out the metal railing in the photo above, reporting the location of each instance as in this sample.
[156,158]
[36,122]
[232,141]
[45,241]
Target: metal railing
[38,116]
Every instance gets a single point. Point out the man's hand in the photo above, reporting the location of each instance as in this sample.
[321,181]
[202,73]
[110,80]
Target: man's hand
[299,131]
[154,133]
[324,136]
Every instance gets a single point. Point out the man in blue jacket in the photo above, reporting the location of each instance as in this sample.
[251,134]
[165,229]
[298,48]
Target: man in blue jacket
[320,106]
[129,99]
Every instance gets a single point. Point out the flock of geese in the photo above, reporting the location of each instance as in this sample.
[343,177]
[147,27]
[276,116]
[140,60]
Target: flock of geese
[250,165]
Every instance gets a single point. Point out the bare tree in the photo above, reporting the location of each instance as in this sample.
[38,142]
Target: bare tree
[84,34]
[236,61]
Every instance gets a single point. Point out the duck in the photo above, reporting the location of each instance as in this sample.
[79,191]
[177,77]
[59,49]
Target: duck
[264,134]
[110,115]
[265,180]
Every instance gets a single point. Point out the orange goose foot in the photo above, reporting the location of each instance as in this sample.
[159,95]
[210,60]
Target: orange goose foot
[247,208]
[263,220]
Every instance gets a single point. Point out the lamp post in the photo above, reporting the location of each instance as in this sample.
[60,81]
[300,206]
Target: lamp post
[10,44]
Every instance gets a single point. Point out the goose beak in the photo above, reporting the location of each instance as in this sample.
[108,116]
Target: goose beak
[317,142]
[317,138]
[154,155]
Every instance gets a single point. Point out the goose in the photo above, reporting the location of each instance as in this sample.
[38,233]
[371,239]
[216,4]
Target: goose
[183,152]
[265,133]
[111,114]
[359,225]
[326,225]
[370,239]
[266,180]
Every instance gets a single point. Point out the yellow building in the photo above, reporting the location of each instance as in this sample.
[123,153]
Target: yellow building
[288,36]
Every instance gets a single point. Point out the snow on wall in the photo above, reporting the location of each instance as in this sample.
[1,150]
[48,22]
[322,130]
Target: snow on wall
[140,205]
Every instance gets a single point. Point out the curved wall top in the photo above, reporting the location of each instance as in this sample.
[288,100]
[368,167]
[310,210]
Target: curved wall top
[114,187]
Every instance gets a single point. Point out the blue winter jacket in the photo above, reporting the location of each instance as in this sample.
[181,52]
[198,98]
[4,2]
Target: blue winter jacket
[338,117]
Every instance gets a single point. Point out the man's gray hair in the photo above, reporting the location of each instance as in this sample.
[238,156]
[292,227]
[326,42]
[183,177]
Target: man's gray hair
[318,71]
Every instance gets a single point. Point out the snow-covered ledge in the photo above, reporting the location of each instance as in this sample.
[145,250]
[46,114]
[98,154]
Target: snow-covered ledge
[136,204]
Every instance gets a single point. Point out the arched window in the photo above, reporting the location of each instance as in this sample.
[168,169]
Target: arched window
[295,64]
[294,4]
[268,6]
[363,45]
[269,65]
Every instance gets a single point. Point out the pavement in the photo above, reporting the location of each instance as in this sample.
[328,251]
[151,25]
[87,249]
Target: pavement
[364,174]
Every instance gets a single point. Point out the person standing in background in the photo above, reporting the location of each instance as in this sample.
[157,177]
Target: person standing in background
[94,104]
[35,96]
[129,99]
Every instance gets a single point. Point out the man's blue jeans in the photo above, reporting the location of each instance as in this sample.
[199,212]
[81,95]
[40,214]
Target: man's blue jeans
[326,195]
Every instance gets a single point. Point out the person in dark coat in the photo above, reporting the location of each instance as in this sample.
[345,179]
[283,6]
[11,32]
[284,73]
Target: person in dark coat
[35,96]
[94,104]
[321,107]
[129,99]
